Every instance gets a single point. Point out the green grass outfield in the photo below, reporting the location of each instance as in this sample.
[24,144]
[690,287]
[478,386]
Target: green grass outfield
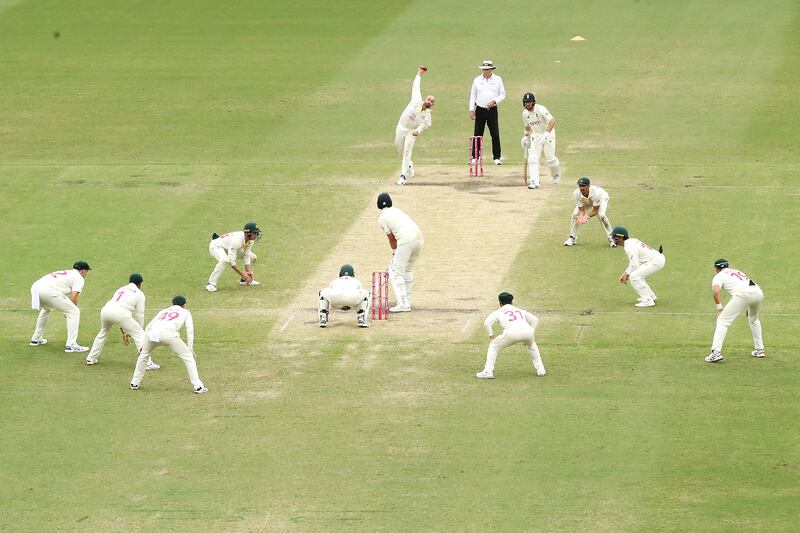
[147,125]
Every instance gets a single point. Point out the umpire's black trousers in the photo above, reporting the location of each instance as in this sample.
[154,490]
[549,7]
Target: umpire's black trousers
[483,117]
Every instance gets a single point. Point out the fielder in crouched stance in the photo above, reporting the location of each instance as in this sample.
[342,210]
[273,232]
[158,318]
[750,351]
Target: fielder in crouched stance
[745,296]
[60,290]
[642,261]
[125,310]
[164,330]
[230,246]
[345,292]
[406,242]
[518,326]
[595,198]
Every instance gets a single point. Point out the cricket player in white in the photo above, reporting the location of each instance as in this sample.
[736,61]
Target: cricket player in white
[643,260]
[406,242]
[596,198]
[539,138]
[745,296]
[230,246]
[164,330]
[124,310]
[518,326]
[415,119]
[60,290]
[345,292]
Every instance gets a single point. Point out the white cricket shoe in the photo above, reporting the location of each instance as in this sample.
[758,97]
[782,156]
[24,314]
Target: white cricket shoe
[645,303]
[362,321]
[483,374]
[758,353]
[556,178]
[570,241]
[714,357]
[400,309]
[411,169]
[92,361]
[76,348]
[152,365]
[200,390]
[498,162]
[211,288]
[134,387]
[39,342]
[402,180]
[249,283]
[533,185]
[541,373]
[323,320]
[473,162]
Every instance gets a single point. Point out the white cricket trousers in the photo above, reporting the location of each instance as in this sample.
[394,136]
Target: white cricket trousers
[542,145]
[637,277]
[174,343]
[112,315]
[221,255]
[513,336]
[46,299]
[601,216]
[747,299]
[338,298]
[400,275]
[404,144]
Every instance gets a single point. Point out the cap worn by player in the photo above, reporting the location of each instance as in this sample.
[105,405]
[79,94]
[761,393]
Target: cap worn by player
[384,200]
[584,181]
[136,279]
[179,300]
[505,298]
[81,265]
[347,270]
[251,227]
[721,263]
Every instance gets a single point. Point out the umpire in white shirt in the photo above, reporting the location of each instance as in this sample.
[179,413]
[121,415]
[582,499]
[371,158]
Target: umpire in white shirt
[487,91]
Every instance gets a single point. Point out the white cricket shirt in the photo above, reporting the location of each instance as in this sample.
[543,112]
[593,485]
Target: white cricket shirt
[510,317]
[169,321]
[345,283]
[638,253]
[63,281]
[732,280]
[233,243]
[538,118]
[394,221]
[131,298]
[414,116]
[596,196]
[486,89]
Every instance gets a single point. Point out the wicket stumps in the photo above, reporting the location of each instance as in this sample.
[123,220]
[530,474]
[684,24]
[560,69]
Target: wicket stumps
[476,156]
[380,296]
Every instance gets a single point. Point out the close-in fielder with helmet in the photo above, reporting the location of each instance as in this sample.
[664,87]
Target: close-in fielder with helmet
[406,242]
[594,198]
[344,292]
[164,330]
[745,296]
[538,139]
[124,310]
[60,290]
[230,246]
[415,119]
[518,326]
[643,260]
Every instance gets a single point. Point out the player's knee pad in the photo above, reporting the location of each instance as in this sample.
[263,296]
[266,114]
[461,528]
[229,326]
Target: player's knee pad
[553,163]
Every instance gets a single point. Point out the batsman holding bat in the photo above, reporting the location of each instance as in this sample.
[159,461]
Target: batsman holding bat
[538,140]
[595,198]
[415,119]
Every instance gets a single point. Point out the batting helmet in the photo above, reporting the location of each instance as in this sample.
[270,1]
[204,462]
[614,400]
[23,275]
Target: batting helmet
[384,200]
[528,97]
[619,231]
[347,270]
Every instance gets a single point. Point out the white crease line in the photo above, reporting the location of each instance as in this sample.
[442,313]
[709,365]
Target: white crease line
[286,324]
[469,320]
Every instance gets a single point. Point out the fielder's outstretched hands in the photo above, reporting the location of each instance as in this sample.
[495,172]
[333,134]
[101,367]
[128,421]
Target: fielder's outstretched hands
[583,219]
